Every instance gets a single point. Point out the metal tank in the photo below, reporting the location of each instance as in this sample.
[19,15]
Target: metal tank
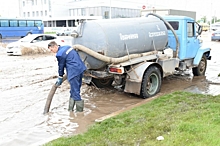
[119,37]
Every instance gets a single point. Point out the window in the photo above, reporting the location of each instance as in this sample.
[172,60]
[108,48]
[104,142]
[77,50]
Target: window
[30,23]
[50,37]
[41,13]
[38,39]
[75,12]
[79,12]
[83,12]
[45,1]
[22,23]
[45,12]
[106,14]
[24,14]
[37,23]
[37,13]
[36,2]
[33,14]
[4,23]
[23,3]
[28,14]
[174,24]
[13,23]
[190,30]
[32,3]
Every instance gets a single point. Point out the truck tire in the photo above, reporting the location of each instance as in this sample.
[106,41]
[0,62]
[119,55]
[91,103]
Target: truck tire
[151,82]
[201,68]
[101,83]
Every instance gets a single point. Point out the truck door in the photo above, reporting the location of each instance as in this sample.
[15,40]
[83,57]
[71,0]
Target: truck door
[192,41]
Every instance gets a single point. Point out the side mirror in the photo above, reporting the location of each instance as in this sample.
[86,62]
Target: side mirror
[199,30]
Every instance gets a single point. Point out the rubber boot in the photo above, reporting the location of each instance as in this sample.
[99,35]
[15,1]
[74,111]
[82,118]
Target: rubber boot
[79,105]
[71,104]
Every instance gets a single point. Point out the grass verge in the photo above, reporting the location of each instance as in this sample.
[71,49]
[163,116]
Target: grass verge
[182,118]
[52,32]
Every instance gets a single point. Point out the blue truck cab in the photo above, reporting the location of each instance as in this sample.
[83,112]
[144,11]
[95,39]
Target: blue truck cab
[191,52]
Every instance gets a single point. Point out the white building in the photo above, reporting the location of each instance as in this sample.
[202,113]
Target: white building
[9,8]
[67,13]
[44,8]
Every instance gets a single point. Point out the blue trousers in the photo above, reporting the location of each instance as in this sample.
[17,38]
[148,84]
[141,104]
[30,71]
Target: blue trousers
[75,85]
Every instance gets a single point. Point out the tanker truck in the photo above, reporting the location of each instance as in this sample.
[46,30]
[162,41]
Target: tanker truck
[135,54]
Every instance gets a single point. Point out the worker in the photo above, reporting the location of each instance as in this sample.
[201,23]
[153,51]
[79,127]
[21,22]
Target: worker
[69,58]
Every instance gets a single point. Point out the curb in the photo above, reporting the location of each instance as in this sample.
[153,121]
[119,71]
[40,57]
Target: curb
[125,109]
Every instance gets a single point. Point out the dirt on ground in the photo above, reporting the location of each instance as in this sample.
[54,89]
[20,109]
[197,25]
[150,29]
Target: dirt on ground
[26,82]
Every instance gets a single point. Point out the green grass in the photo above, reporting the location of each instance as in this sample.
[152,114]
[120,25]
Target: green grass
[50,32]
[182,118]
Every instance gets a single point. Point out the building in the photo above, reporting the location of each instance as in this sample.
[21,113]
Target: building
[10,8]
[67,13]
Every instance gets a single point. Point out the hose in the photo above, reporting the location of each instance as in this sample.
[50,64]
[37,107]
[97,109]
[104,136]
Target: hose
[110,59]
[98,56]
[50,96]
[171,28]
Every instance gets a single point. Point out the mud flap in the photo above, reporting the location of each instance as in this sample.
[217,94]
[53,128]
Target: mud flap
[135,76]
[133,87]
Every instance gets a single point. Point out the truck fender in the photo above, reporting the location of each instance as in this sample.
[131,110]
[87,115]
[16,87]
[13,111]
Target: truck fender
[135,76]
[199,54]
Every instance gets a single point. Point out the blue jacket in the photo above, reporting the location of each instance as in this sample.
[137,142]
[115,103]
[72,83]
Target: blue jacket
[68,58]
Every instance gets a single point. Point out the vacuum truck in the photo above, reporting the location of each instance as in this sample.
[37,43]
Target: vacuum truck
[135,54]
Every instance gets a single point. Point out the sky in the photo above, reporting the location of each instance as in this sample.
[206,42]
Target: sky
[9,8]
[206,8]
[203,8]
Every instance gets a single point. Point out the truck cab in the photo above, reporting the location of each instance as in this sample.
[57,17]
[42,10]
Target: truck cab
[190,46]
[186,32]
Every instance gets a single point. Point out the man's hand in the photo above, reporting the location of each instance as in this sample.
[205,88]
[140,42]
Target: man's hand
[59,81]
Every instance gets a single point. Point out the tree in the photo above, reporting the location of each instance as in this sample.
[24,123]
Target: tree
[215,19]
[204,19]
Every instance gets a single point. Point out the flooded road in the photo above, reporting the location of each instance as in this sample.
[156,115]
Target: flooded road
[27,80]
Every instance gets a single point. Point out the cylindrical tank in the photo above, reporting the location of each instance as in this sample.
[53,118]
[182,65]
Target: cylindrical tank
[119,37]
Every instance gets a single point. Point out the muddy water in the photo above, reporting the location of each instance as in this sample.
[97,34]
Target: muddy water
[26,82]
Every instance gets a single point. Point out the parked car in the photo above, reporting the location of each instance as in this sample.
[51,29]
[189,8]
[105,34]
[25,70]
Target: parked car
[32,41]
[215,35]
[215,26]
[64,32]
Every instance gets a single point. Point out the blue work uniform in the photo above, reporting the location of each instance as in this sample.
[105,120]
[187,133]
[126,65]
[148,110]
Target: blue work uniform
[68,58]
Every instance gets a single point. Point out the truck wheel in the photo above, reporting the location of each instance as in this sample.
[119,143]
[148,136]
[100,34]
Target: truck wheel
[151,82]
[101,83]
[201,68]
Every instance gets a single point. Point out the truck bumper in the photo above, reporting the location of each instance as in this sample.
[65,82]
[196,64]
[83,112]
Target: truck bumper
[209,58]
